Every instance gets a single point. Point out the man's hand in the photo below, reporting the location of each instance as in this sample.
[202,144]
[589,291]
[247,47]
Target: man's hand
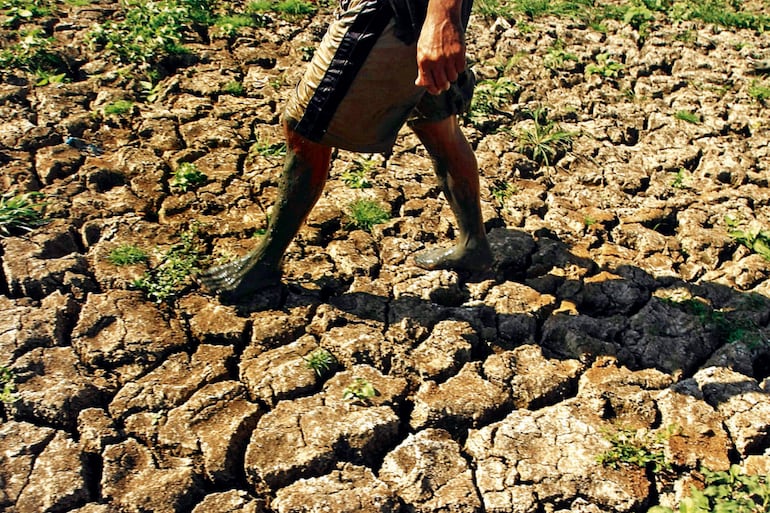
[441,46]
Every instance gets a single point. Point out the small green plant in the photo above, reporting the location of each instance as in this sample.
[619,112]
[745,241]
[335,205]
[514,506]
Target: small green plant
[490,95]
[494,9]
[231,25]
[557,56]
[287,8]
[320,361]
[679,180]
[502,190]
[306,53]
[269,150]
[6,385]
[605,67]
[21,212]
[118,108]
[760,92]
[729,491]
[127,254]
[686,115]
[756,239]
[32,52]
[233,87]
[16,11]
[149,31]
[45,77]
[639,448]
[165,281]
[357,175]
[360,390]
[721,12]
[545,141]
[187,177]
[364,214]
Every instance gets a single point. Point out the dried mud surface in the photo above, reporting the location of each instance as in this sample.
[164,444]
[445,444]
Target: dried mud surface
[618,298]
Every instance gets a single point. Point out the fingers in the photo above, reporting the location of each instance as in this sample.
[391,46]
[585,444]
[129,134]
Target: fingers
[436,77]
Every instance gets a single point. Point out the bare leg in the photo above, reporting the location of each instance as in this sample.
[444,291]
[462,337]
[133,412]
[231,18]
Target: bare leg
[304,174]
[457,171]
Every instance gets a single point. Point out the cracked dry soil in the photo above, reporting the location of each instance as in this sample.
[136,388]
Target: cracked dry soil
[618,297]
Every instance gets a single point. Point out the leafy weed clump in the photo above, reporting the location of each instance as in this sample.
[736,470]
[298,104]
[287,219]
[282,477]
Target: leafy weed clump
[639,448]
[320,361]
[364,214]
[357,175]
[6,385]
[359,390]
[545,142]
[164,282]
[149,31]
[491,95]
[187,177]
[286,8]
[760,92]
[21,213]
[268,150]
[20,11]
[729,491]
[756,239]
[33,52]
[689,117]
[127,254]
[118,108]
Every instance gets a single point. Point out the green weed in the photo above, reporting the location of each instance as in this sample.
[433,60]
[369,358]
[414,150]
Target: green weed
[234,88]
[502,190]
[639,448]
[187,177]
[494,9]
[32,52]
[165,281]
[127,254]
[320,361]
[360,389]
[149,31]
[357,175]
[45,77]
[490,95]
[756,239]
[545,141]
[17,11]
[686,115]
[283,7]
[21,212]
[557,56]
[268,150]
[729,491]
[727,13]
[759,91]
[364,214]
[231,25]
[7,386]
[604,66]
[679,180]
[118,108]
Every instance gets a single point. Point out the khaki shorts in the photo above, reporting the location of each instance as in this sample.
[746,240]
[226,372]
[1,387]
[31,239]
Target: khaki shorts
[358,90]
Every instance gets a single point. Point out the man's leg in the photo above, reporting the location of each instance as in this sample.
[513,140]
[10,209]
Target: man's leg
[304,174]
[457,171]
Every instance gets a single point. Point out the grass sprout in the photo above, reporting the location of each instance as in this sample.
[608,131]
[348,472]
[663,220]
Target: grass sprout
[364,214]
[21,213]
